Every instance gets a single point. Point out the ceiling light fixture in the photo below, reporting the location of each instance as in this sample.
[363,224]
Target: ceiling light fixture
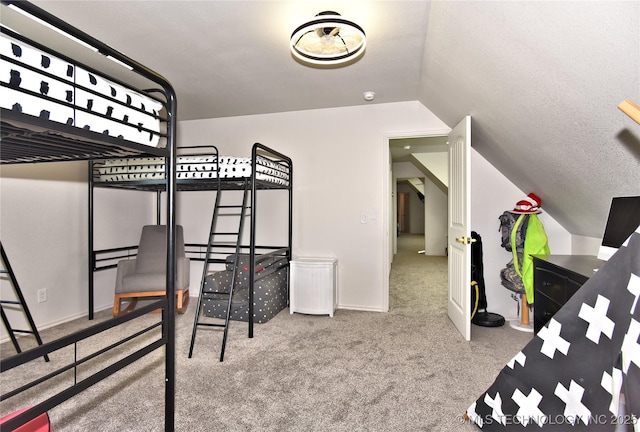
[328,39]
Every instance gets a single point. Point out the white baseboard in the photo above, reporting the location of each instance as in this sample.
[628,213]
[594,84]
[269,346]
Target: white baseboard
[57,322]
[359,308]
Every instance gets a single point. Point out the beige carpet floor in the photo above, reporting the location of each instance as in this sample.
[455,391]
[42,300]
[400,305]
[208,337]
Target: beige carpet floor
[405,370]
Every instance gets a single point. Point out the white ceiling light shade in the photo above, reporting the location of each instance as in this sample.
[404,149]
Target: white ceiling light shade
[328,39]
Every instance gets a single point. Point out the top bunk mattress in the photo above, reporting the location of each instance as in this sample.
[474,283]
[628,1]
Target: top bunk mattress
[201,167]
[39,84]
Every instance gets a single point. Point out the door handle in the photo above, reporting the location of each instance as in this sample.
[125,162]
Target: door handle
[465,240]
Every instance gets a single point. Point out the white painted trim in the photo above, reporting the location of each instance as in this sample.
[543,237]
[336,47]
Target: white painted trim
[84,314]
[360,308]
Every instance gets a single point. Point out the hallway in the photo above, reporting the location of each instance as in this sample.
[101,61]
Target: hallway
[417,283]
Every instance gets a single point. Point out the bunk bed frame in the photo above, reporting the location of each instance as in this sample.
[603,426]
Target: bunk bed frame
[28,139]
[146,179]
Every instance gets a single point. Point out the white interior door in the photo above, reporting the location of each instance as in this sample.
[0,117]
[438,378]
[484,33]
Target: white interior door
[459,304]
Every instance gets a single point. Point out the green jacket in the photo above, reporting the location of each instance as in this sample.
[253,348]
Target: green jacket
[535,243]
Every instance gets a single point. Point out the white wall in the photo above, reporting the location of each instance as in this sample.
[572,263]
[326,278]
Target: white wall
[436,223]
[340,172]
[340,156]
[582,245]
[43,227]
[492,194]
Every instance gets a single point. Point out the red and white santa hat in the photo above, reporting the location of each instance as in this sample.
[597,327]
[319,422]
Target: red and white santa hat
[531,204]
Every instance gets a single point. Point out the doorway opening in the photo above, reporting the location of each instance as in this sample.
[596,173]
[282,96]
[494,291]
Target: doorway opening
[418,174]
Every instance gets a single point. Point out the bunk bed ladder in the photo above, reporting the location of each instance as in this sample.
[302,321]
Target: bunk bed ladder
[214,235]
[20,303]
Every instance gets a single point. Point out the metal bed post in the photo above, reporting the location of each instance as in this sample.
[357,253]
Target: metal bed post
[290,252]
[170,311]
[159,207]
[92,263]
[168,322]
[252,240]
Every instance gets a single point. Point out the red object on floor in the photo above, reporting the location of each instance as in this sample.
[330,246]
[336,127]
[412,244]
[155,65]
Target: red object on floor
[38,424]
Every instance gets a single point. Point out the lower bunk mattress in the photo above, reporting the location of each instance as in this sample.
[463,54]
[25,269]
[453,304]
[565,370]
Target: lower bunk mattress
[270,291]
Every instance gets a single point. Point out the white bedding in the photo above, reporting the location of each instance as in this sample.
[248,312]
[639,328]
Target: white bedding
[60,98]
[191,167]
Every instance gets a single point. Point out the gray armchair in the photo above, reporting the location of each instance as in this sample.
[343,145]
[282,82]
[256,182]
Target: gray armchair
[145,275]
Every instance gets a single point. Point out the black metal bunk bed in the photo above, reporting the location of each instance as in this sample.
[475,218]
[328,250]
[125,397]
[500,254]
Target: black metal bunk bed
[32,139]
[201,168]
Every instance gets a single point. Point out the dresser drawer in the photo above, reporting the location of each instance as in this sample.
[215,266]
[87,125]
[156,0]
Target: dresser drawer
[547,307]
[550,284]
[556,278]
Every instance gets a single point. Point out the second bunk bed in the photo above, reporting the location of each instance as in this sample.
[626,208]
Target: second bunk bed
[233,246]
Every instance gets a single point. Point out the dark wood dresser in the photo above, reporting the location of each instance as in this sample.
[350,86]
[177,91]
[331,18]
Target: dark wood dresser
[556,278]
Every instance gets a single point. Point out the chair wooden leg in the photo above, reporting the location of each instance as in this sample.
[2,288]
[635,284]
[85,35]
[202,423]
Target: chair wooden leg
[117,299]
[182,297]
[183,301]
[116,305]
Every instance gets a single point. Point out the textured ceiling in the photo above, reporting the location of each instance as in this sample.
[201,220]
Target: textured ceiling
[541,80]
[231,58]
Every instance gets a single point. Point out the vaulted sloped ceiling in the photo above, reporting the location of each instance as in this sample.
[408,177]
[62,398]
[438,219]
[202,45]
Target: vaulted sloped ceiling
[540,79]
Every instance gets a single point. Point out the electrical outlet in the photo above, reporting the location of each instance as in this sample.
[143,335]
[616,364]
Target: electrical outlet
[42,295]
